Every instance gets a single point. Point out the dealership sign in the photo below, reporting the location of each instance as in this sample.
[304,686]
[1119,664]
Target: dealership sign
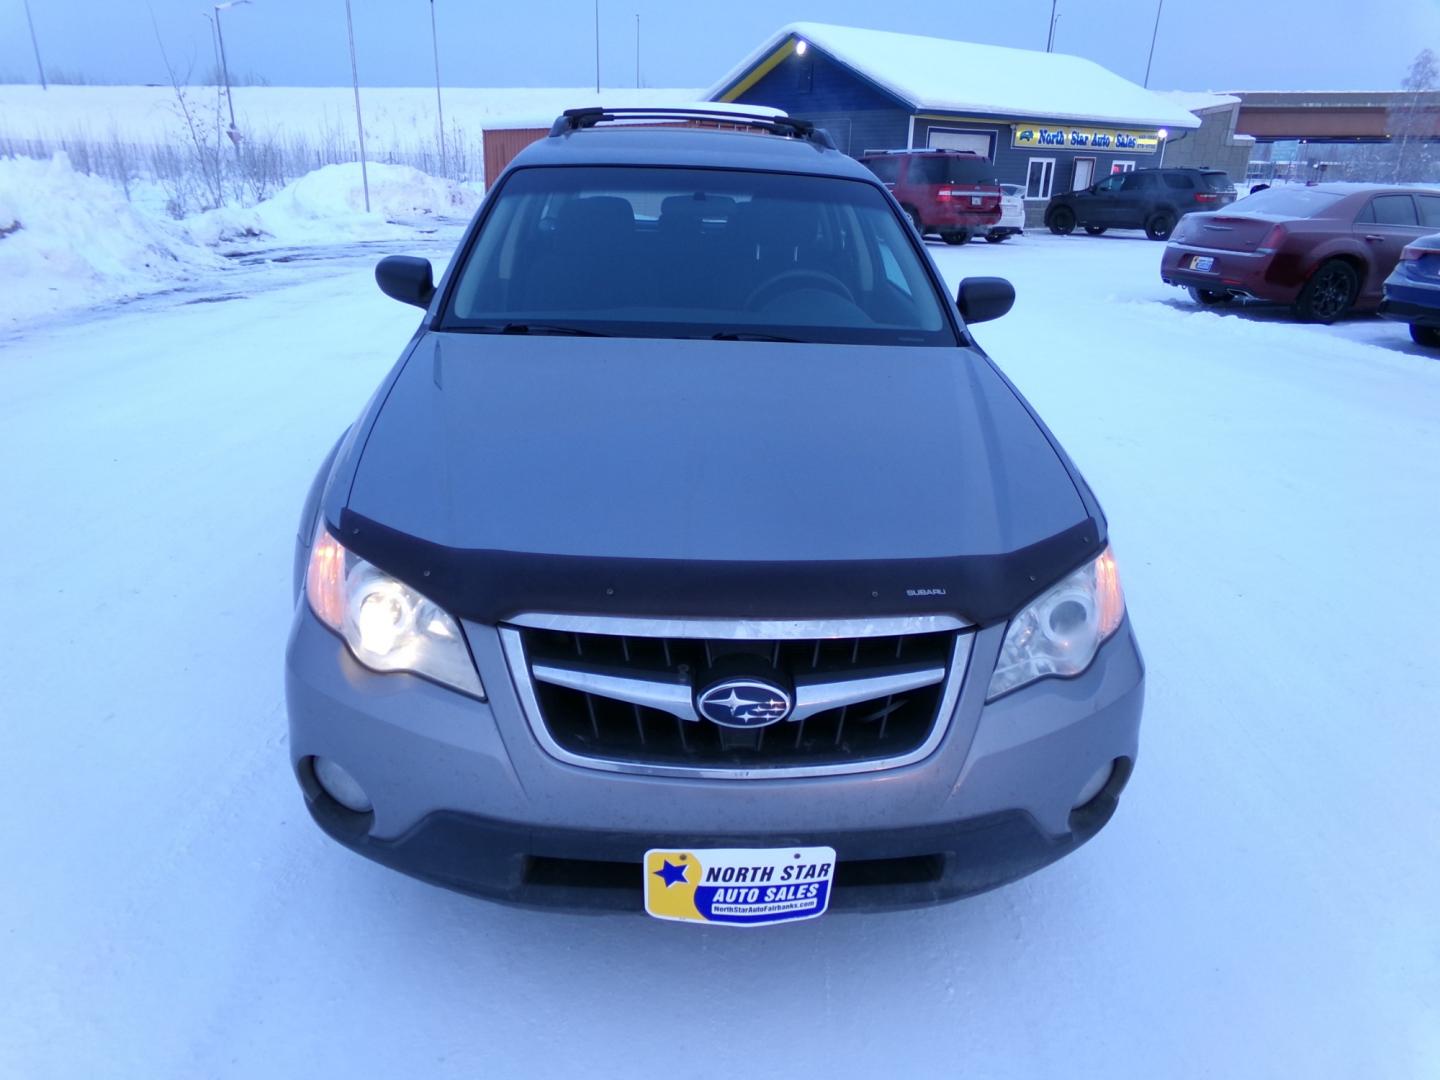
[1084,138]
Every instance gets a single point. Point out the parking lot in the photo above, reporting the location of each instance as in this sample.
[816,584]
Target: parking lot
[1263,903]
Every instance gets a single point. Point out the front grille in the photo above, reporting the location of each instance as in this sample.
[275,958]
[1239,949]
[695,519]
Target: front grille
[594,725]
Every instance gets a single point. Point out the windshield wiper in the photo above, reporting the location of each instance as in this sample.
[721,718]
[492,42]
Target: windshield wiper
[749,335]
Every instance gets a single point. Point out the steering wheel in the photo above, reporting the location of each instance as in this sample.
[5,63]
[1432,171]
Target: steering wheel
[790,281]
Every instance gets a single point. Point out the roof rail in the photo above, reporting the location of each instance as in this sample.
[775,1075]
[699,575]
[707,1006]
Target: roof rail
[576,119]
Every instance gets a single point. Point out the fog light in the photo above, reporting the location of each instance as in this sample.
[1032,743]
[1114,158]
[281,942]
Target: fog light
[341,786]
[1095,784]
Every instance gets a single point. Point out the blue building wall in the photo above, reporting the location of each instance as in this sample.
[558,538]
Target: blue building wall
[858,114]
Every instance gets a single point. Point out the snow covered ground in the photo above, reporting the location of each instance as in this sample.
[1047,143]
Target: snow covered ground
[1263,904]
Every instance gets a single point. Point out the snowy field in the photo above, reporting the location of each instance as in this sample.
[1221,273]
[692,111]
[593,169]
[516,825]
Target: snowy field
[1263,905]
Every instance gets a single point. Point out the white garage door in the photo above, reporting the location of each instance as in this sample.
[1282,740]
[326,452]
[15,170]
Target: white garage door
[977,142]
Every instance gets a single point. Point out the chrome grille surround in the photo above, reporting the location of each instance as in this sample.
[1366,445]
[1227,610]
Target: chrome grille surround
[675,700]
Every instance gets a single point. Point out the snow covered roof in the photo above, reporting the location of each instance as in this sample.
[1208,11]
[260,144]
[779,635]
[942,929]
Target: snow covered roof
[1197,100]
[965,77]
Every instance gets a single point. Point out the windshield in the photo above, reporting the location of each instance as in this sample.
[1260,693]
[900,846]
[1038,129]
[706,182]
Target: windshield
[1286,202]
[655,252]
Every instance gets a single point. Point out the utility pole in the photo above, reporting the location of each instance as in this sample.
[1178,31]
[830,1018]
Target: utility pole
[234,132]
[36,46]
[597,47]
[637,50]
[1159,7]
[439,106]
[359,124]
[1050,38]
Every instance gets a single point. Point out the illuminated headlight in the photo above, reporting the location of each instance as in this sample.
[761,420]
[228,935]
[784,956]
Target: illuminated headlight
[1061,631]
[387,624]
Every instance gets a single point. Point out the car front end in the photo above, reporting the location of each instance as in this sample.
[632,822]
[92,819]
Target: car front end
[584,605]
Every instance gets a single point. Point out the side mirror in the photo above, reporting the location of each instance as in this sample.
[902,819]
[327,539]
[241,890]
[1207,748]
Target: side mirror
[984,298]
[406,278]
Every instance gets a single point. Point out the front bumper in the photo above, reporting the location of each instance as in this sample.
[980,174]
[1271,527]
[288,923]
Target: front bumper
[464,796]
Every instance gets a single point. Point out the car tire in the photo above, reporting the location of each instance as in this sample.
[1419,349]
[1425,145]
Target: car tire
[1329,293]
[996,238]
[1429,336]
[1061,221]
[1096,230]
[1209,297]
[959,236]
[914,216]
[1160,226]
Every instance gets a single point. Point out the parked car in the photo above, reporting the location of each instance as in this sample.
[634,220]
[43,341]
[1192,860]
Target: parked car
[1412,291]
[1324,249]
[1012,214]
[950,192]
[1149,199]
[694,558]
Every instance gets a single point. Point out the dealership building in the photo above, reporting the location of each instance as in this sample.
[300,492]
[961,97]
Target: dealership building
[1050,122]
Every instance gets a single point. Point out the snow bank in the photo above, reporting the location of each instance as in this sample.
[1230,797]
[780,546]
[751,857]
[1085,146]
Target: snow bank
[328,206]
[69,240]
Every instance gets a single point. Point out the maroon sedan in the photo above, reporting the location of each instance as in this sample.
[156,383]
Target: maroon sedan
[1324,249]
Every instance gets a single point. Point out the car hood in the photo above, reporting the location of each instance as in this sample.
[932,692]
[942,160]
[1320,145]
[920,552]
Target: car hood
[705,453]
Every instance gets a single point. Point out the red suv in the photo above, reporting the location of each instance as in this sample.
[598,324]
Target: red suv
[950,192]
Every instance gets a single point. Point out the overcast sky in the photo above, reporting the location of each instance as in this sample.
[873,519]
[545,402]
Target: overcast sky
[1259,45]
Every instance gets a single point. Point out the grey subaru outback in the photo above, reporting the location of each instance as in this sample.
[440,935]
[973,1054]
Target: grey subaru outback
[694,559]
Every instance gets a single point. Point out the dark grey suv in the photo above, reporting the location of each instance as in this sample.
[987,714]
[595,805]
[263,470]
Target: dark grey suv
[1149,199]
[693,558]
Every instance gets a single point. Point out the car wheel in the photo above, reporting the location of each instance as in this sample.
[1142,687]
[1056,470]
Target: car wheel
[1062,221]
[995,237]
[915,220]
[1209,297]
[1329,292]
[1160,226]
[960,236]
[1095,230]
[1428,336]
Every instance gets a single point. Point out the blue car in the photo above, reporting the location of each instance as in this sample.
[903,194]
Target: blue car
[1412,291]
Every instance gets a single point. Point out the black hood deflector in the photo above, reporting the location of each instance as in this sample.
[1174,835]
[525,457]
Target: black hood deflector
[493,586]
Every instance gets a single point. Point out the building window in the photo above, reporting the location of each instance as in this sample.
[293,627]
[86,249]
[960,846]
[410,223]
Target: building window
[1041,178]
[1121,166]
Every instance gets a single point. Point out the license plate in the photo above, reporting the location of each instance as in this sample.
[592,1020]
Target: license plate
[976,200]
[739,886]
[1201,262]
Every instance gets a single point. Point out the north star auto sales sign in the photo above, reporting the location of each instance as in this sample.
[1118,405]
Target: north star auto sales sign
[1061,137]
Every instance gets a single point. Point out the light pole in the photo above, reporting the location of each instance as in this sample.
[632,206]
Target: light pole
[35,44]
[1050,38]
[234,132]
[1159,7]
[359,124]
[597,47]
[1164,136]
[637,50]
[439,106]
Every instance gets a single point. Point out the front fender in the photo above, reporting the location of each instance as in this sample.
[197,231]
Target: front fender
[306,532]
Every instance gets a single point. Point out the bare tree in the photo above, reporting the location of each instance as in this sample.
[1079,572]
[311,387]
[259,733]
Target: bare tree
[1411,122]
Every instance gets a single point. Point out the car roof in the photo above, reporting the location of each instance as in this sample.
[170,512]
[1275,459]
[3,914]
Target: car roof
[677,146]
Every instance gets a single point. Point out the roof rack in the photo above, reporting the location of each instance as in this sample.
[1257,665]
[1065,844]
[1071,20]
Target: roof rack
[576,119]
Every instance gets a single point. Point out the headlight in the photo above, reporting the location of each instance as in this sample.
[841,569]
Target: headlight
[387,624]
[1060,632]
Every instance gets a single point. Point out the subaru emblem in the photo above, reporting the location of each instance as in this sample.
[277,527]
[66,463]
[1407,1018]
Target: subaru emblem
[744,703]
